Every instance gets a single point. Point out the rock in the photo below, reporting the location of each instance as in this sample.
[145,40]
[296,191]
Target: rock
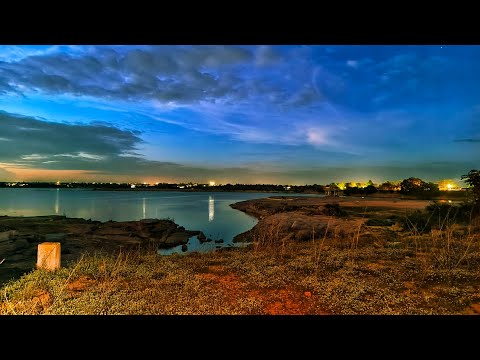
[16,258]
[219,241]
[34,238]
[202,238]
[19,247]
[246,236]
[55,237]
[178,238]
[21,244]
[149,221]
[5,235]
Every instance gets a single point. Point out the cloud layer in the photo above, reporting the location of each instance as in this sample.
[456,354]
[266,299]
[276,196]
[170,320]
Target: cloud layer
[175,111]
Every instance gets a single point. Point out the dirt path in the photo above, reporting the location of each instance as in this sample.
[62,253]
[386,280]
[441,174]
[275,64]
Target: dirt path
[283,301]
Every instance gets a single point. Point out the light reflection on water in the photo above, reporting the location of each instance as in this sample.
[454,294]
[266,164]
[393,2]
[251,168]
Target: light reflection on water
[211,208]
[194,245]
[208,212]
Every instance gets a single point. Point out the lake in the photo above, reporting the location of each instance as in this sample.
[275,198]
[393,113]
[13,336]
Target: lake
[208,212]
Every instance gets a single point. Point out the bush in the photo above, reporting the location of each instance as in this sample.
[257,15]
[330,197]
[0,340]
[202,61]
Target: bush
[417,221]
[379,222]
[333,210]
[449,213]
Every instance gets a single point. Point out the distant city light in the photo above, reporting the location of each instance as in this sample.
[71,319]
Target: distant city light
[132,186]
[449,186]
[212,183]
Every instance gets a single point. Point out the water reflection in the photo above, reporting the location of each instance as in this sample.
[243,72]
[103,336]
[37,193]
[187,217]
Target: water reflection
[57,202]
[144,207]
[186,209]
[211,208]
[194,245]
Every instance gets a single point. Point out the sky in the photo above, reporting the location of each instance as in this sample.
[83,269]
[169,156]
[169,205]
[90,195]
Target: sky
[282,114]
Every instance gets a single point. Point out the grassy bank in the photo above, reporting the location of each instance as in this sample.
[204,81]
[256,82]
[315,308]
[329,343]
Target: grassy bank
[308,256]
[331,274]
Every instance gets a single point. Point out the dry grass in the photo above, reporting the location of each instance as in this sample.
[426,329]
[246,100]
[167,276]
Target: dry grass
[331,269]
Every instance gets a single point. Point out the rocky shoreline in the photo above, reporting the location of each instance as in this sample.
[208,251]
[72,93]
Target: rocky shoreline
[286,217]
[20,236]
[306,218]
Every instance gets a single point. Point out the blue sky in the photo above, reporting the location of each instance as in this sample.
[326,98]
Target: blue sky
[238,113]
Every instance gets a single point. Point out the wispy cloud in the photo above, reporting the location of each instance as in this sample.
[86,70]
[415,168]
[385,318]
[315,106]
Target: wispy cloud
[352,63]
[467,140]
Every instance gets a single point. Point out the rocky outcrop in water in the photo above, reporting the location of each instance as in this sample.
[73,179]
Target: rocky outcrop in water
[20,236]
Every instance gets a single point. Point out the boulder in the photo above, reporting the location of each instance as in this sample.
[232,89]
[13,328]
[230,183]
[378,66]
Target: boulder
[55,237]
[5,235]
[178,238]
[149,221]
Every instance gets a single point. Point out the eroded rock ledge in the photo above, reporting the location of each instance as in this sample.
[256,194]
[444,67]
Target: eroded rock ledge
[20,236]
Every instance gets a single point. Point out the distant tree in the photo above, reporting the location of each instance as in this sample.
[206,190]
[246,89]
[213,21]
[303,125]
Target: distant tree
[370,189]
[352,184]
[418,187]
[473,180]
[432,188]
[411,186]
[388,186]
[369,183]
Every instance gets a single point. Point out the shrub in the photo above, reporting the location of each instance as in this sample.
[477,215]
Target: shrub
[417,221]
[333,210]
[379,222]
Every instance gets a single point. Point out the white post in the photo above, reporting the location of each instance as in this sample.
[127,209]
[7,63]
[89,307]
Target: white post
[48,256]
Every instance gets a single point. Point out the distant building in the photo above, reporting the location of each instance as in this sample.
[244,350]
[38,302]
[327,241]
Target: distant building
[331,190]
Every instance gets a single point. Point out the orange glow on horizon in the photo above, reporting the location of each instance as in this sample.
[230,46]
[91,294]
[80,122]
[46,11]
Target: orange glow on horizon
[25,174]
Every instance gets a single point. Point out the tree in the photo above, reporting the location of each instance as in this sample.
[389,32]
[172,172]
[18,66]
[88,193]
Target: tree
[388,186]
[418,187]
[412,186]
[473,180]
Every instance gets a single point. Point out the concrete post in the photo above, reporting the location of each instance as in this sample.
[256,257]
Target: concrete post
[48,256]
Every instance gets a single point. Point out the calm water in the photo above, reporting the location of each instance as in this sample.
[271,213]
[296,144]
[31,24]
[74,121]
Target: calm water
[206,211]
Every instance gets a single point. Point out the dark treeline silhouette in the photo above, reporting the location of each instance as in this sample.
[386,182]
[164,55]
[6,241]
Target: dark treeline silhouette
[412,186]
[171,186]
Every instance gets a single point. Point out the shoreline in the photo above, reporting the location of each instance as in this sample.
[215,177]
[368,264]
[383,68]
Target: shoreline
[311,255]
[20,236]
[305,213]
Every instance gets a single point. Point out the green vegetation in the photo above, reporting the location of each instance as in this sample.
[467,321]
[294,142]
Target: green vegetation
[419,188]
[473,179]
